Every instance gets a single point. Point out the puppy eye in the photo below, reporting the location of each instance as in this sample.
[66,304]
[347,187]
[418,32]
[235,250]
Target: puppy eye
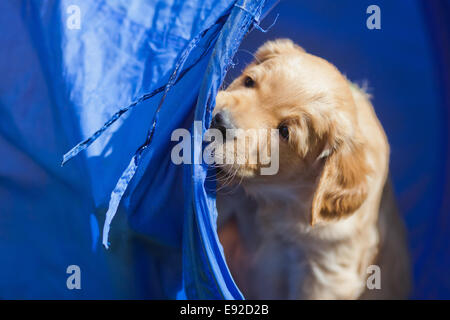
[284,131]
[249,82]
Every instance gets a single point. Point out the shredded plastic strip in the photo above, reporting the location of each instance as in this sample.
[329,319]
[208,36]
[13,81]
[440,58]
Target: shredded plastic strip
[130,171]
[242,18]
[87,142]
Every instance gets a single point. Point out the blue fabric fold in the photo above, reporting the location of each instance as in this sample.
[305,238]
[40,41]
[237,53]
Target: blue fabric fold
[73,82]
[214,281]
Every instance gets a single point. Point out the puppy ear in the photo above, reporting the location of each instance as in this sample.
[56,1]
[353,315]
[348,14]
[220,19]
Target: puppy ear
[273,48]
[342,186]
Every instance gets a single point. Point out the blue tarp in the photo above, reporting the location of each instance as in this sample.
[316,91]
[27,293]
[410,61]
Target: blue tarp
[58,85]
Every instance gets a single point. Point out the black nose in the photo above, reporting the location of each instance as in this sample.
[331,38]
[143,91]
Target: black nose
[221,121]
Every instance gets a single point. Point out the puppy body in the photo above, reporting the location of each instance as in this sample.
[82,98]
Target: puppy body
[312,230]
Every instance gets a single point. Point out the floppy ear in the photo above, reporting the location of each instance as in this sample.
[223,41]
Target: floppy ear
[276,47]
[342,187]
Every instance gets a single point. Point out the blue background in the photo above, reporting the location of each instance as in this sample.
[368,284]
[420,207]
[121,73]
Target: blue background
[403,67]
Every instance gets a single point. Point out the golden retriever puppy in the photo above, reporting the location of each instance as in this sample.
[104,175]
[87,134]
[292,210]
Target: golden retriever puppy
[325,225]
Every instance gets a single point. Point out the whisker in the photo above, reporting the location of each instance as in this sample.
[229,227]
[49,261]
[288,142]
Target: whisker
[250,53]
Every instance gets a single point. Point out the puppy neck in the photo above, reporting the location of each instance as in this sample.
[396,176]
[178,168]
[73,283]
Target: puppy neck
[297,193]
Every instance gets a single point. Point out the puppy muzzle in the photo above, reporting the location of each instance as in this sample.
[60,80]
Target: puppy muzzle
[222,122]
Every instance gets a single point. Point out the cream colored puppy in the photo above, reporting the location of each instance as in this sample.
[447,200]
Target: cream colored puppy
[314,229]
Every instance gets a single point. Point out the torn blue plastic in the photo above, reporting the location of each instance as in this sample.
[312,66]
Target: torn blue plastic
[200,219]
[242,17]
[128,174]
[62,85]
[116,116]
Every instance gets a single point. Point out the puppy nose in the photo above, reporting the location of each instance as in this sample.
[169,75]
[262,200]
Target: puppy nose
[221,121]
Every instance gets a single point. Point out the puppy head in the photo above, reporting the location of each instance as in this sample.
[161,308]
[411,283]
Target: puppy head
[311,105]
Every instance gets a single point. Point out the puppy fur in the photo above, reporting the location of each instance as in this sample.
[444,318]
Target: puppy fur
[312,230]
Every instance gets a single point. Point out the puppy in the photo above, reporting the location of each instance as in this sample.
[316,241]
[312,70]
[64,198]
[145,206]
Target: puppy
[325,225]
